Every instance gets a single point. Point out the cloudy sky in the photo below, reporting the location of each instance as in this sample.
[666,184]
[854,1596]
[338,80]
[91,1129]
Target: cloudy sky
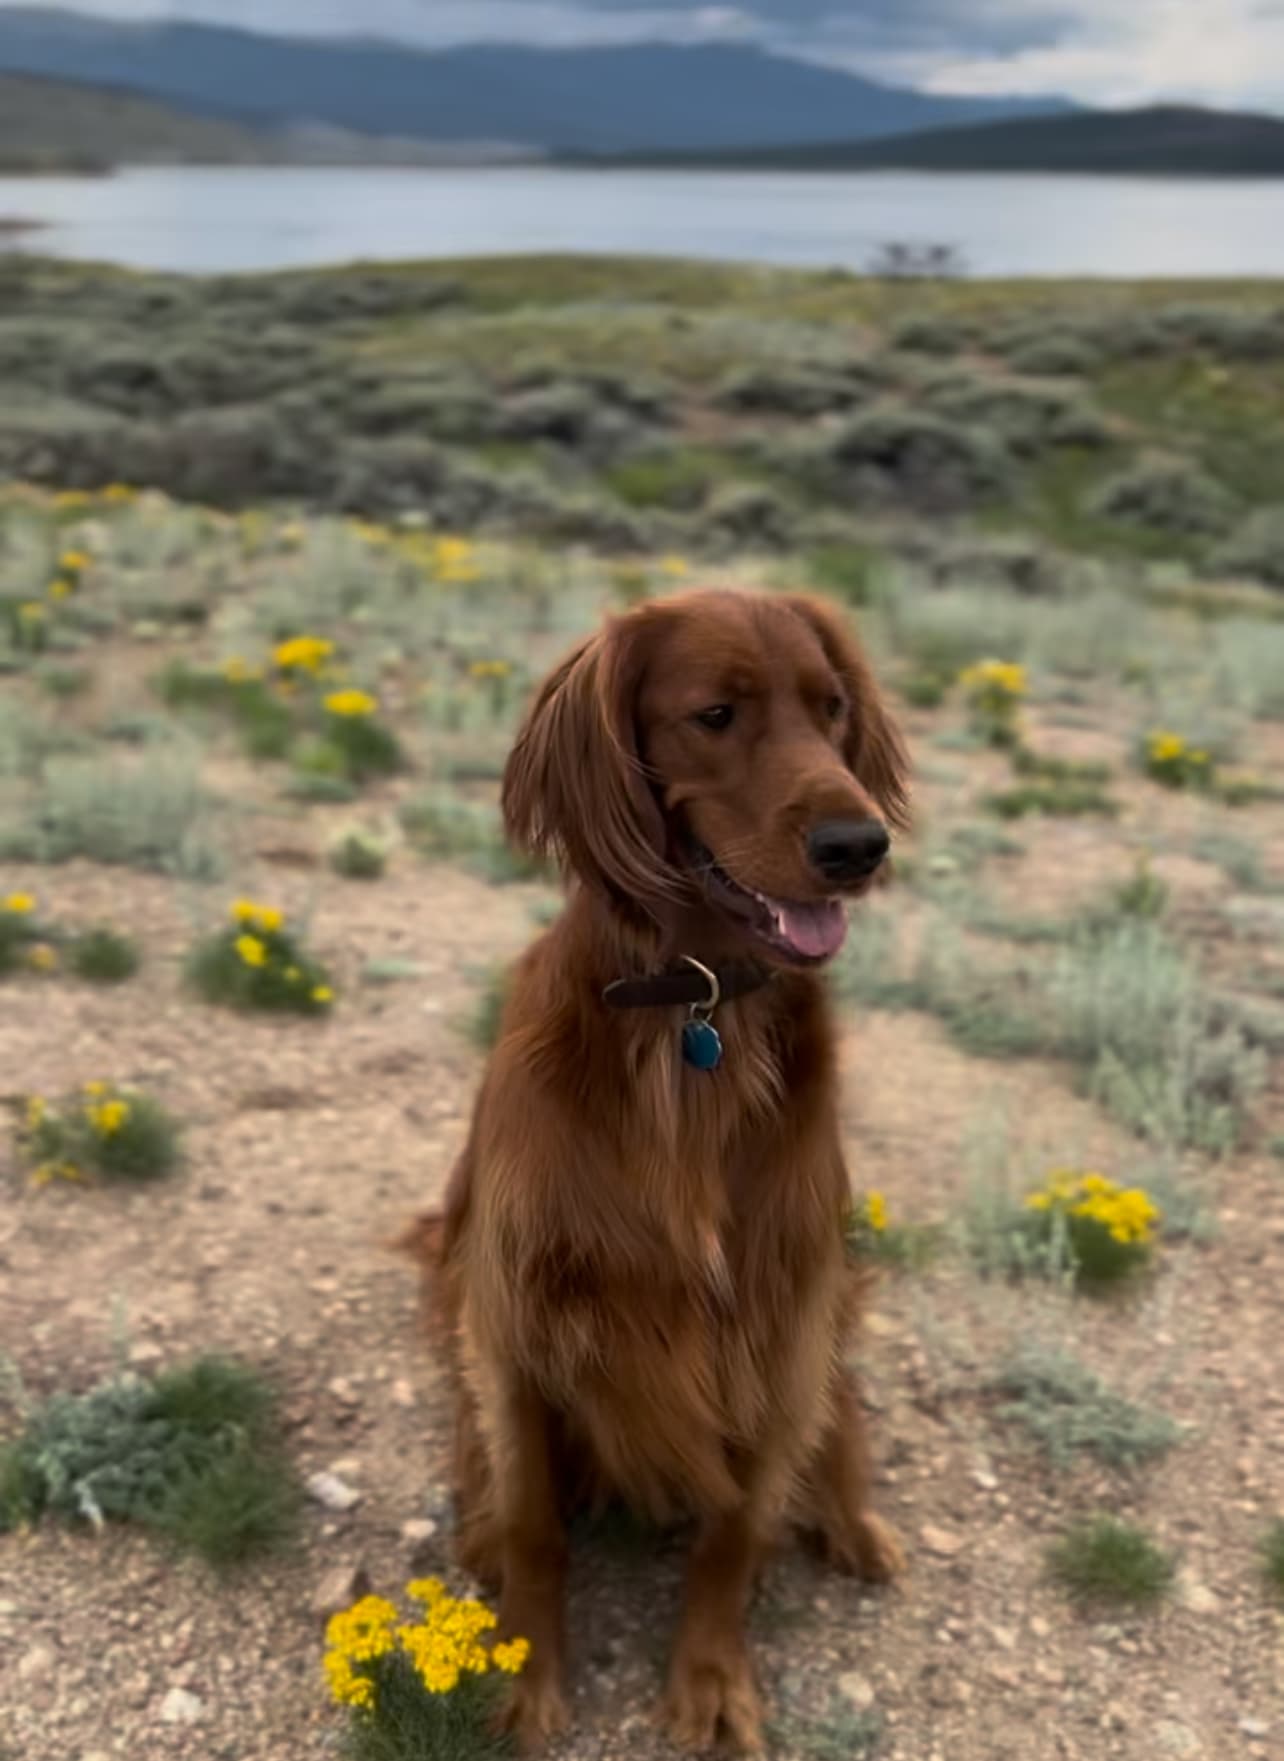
[1103,51]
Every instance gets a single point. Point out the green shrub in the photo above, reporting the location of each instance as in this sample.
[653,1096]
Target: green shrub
[191,1456]
[1273,1558]
[1256,547]
[1105,1560]
[366,746]
[102,956]
[150,815]
[897,452]
[1067,798]
[1068,1410]
[1105,1230]
[1167,496]
[258,963]
[107,1132]
[359,856]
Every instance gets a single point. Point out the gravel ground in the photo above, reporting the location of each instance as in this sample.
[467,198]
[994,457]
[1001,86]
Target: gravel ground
[309,1146]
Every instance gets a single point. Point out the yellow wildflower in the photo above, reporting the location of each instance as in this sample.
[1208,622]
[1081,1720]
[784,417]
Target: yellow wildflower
[37,1107]
[97,1089]
[1163,746]
[304,654]
[674,566]
[511,1657]
[251,950]
[31,611]
[1004,678]
[73,562]
[264,917]
[50,1171]
[20,903]
[321,993]
[42,958]
[351,703]
[118,492]
[874,1212]
[109,1118]
[490,669]
[58,590]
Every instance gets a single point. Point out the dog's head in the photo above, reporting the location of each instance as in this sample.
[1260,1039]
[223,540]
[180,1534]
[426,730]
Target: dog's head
[721,747]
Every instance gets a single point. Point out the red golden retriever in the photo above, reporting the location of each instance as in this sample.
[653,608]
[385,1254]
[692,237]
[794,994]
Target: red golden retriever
[640,1268]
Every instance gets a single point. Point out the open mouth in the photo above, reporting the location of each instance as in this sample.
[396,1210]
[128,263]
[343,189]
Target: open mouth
[803,932]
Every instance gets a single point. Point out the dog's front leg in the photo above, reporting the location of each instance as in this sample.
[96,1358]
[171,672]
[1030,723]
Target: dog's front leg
[533,1565]
[711,1686]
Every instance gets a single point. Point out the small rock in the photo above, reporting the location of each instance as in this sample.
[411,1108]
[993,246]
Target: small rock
[1176,1738]
[1254,1727]
[1040,1627]
[418,1530]
[403,1393]
[180,1706]
[1198,1598]
[332,1492]
[37,1662]
[347,1468]
[145,1353]
[342,1390]
[1004,1638]
[983,1478]
[939,1541]
[340,1588]
[856,1690]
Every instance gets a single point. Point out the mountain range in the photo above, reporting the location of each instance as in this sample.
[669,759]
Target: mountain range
[636,99]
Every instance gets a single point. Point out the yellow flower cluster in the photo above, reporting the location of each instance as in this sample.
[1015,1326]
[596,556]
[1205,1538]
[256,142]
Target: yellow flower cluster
[490,669]
[1128,1214]
[676,567]
[999,678]
[361,1634]
[444,1645]
[264,917]
[73,562]
[1171,759]
[252,950]
[873,1213]
[42,958]
[454,561]
[303,654]
[20,903]
[351,703]
[108,1117]
[118,493]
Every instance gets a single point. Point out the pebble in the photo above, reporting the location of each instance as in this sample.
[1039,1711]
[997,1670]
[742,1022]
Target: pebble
[1254,1727]
[983,1478]
[342,1390]
[418,1530]
[856,1690]
[403,1393]
[332,1492]
[37,1662]
[180,1706]
[1040,1627]
[1198,1598]
[1176,1738]
[341,1586]
[940,1541]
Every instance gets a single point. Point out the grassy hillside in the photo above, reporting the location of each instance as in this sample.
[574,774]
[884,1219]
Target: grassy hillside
[637,405]
[1169,140]
[53,125]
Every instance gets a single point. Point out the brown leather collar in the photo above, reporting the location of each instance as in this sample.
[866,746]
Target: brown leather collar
[687,985]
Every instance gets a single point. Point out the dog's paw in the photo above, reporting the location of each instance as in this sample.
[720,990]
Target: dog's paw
[709,1695]
[868,1548]
[535,1713]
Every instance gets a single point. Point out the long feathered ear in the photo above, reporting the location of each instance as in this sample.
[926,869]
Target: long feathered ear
[875,752]
[575,787]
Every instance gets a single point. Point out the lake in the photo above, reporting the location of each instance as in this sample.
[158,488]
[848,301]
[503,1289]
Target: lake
[244,218]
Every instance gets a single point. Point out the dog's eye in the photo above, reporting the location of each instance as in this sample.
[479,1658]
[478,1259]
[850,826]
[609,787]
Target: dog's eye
[834,708]
[717,717]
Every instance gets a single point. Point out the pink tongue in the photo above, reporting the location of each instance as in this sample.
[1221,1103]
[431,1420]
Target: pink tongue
[815,931]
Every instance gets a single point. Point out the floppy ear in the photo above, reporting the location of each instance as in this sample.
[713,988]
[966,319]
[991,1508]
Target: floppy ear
[575,787]
[874,750]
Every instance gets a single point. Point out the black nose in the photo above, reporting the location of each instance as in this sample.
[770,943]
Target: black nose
[846,850]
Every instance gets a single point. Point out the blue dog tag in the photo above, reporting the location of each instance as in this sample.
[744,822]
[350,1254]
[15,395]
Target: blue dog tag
[702,1045]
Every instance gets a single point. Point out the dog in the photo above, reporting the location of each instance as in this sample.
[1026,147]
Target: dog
[639,1271]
